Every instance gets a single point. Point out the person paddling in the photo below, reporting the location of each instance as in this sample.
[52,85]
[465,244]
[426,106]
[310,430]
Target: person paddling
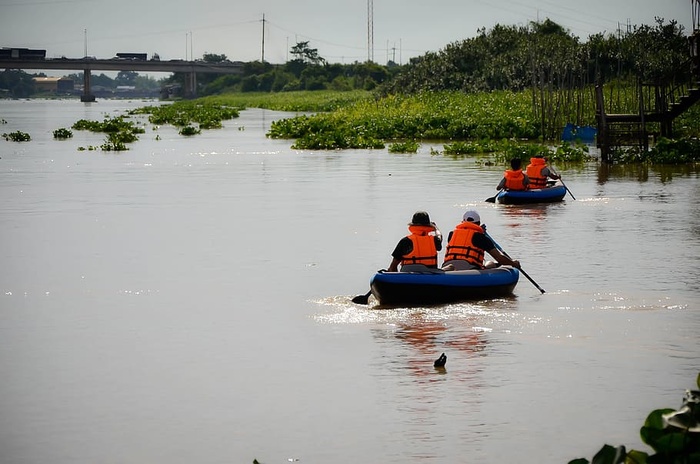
[538,173]
[467,243]
[418,251]
[514,178]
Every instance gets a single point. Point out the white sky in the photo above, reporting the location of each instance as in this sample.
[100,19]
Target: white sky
[178,29]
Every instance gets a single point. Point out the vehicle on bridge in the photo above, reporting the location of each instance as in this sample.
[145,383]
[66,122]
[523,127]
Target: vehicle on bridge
[10,53]
[133,56]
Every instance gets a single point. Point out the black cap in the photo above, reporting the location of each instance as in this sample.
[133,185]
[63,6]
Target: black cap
[420,218]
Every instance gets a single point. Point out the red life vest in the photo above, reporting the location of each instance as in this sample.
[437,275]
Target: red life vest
[514,179]
[534,173]
[424,250]
[461,246]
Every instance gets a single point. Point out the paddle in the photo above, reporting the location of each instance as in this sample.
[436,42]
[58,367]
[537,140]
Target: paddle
[493,198]
[521,270]
[562,183]
[362,299]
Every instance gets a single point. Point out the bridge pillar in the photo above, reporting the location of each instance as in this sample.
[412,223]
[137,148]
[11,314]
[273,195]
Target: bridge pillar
[191,85]
[87,95]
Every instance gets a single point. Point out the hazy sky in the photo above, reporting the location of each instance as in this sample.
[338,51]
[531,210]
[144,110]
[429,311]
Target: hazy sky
[178,29]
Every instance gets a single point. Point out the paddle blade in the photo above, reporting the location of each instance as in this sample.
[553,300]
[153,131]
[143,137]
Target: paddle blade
[362,299]
[493,198]
[567,189]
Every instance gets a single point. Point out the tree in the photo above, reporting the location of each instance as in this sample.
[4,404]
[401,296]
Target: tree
[306,54]
[214,58]
[18,84]
[126,77]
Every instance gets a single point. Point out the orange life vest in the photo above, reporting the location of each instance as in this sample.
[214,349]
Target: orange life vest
[534,173]
[424,250]
[461,246]
[514,179]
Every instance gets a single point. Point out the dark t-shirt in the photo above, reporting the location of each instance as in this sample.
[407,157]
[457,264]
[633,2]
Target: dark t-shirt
[405,246]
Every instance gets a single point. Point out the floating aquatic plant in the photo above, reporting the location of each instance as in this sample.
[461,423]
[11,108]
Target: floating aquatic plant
[17,136]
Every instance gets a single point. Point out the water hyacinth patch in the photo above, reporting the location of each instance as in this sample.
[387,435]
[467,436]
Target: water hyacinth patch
[208,115]
[17,136]
[189,131]
[119,131]
[426,116]
[410,146]
[62,133]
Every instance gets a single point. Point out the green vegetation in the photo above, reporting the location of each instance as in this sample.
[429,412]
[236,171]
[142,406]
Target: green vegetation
[426,116]
[62,133]
[302,100]
[17,136]
[305,71]
[208,115]
[497,126]
[674,435]
[493,126]
[492,96]
[502,151]
[189,130]
[18,84]
[408,146]
[119,131]
[556,69]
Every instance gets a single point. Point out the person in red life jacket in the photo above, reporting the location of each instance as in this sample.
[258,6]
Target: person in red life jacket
[514,178]
[538,173]
[467,244]
[418,251]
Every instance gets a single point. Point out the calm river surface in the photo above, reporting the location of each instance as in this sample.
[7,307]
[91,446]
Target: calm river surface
[188,301]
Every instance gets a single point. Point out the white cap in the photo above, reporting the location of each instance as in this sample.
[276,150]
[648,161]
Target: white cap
[471,216]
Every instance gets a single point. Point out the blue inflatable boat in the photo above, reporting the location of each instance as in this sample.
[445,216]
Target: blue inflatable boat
[439,287]
[521,197]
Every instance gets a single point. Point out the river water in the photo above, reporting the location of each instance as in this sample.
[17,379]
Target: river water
[188,300]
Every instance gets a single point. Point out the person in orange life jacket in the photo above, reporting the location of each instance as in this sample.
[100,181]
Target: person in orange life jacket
[418,251]
[514,178]
[538,172]
[466,246]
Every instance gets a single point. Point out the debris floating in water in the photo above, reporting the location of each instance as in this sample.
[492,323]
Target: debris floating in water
[441,361]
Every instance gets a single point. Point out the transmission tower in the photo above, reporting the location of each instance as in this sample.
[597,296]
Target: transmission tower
[370,30]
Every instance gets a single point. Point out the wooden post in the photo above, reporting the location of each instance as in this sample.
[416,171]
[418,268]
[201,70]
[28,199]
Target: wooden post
[602,136]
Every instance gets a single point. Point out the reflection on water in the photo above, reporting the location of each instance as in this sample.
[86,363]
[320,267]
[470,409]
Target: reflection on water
[644,172]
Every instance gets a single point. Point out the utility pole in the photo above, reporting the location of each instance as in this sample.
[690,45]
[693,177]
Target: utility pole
[188,44]
[263,39]
[370,30]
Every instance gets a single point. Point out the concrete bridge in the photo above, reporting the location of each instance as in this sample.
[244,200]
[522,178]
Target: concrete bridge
[88,64]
